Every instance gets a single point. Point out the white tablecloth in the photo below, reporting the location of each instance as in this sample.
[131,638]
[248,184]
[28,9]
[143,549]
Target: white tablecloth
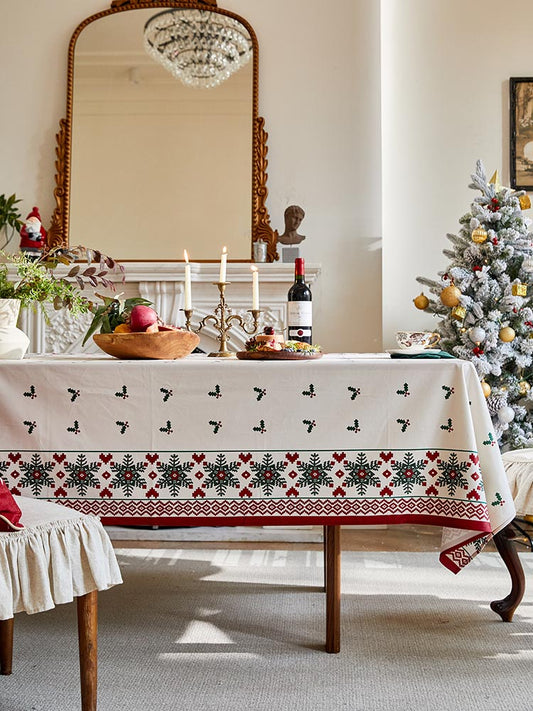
[61,554]
[199,441]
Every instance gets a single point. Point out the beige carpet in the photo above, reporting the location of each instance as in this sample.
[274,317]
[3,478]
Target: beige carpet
[236,630]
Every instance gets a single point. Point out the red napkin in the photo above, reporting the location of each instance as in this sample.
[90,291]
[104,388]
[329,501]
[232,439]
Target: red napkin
[9,511]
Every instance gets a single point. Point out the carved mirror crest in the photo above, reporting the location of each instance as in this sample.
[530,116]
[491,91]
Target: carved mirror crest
[147,166]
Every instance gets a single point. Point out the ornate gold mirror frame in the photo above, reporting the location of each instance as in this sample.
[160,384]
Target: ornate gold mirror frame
[58,234]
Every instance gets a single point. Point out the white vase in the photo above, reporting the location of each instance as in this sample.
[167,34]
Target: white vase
[13,342]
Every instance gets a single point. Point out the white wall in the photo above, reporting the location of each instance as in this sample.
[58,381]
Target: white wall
[319,94]
[445,69]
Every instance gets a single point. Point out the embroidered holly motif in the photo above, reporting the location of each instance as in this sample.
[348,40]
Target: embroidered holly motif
[408,473]
[490,441]
[82,474]
[31,425]
[123,426]
[404,424]
[448,427]
[500,501]
[362,473]
[355,427]
[221,474]
[404,391]
[36,474]
[127,475]
[174,475]
[75,429]
[311,392]
[261,392]
[74,394]
[166,393]
[452,474]
[260,428]
[449,392]
[268,474]
[216,425]
[355,392]
[216,392]
[314,474]
[168,429]
[31,392]
[122,393]
[310,425]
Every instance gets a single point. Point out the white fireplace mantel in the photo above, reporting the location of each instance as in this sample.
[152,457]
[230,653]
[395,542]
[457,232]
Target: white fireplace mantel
[162,283]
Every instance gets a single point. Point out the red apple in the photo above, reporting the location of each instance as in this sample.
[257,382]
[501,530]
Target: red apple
[141,317]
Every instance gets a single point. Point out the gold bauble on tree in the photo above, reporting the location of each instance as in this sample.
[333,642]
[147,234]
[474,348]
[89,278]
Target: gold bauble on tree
[421,301]
[507,334]
[486,388]
[479,235]
[450,295]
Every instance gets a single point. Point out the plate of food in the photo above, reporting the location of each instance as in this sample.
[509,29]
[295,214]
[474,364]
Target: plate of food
[270,346]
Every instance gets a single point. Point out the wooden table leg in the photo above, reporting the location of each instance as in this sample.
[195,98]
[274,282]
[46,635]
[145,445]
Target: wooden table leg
[505,608]
[6,645]
[325,544]
[88,647]
[333,589]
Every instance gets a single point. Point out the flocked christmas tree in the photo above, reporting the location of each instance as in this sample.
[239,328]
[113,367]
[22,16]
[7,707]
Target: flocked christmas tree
[484,301]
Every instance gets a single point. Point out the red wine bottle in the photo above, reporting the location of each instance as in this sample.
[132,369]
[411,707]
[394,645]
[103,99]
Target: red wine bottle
[299,306]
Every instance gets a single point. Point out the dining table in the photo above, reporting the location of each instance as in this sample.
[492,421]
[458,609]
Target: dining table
[342,439]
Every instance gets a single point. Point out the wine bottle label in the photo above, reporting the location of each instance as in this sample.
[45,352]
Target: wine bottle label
[299,314]
[297,332]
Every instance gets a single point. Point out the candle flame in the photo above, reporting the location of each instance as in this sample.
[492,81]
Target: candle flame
[224,250]
[254,269]
[186,255]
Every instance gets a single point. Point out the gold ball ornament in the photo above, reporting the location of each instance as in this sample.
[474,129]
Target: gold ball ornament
[450,295]
[507,334]
[524,387]
[479,235]
[486,388]
[421,301]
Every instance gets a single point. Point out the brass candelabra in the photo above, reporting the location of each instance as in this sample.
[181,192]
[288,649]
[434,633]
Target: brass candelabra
[222,319]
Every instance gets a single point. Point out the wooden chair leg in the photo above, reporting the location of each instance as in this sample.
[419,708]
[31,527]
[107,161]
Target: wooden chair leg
[88,648]
[6,645]
[333,589]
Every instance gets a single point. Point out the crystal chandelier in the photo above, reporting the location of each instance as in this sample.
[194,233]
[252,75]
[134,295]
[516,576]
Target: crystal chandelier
[199,47]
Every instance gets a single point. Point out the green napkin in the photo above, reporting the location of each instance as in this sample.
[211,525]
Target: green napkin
[440,354]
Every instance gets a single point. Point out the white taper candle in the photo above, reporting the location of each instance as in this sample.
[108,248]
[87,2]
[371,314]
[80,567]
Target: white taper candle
[187,296]
[223,261]
[255,288]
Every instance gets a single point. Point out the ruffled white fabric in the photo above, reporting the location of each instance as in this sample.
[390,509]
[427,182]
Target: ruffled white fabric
[519,469]
[61,554]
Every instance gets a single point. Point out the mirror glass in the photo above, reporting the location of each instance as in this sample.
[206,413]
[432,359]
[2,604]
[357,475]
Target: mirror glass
[156,167]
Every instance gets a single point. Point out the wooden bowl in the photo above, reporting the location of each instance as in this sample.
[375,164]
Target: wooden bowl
[162,345]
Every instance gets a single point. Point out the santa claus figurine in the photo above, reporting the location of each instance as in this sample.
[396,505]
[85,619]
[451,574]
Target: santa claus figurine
[32,235]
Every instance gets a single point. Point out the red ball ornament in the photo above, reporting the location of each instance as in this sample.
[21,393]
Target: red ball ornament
[494,205]
[477,268]
[494,241]
[478,351]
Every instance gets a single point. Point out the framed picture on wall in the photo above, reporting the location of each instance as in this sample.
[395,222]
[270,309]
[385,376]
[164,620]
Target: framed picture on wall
[521,134]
